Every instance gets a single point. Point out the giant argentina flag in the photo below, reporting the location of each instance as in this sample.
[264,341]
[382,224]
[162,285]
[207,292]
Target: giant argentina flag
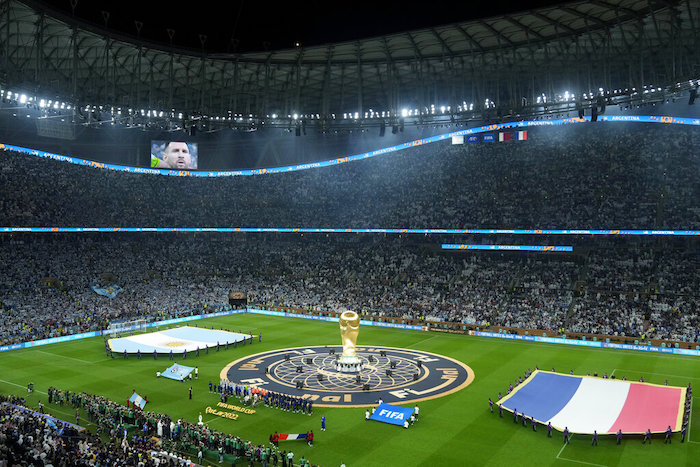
[584,403]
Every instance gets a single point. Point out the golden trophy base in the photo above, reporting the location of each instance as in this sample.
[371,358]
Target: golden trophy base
[349,364]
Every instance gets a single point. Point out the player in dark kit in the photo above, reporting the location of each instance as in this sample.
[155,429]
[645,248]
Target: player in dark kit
[549,429]
[647,436]
[491,405]
[619,436]
[667,439]
[566,435]
[595,438]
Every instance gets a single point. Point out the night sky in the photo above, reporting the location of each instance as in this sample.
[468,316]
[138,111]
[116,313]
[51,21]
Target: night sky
[244,26]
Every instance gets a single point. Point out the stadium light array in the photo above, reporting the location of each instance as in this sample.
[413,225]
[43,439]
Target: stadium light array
[425,115]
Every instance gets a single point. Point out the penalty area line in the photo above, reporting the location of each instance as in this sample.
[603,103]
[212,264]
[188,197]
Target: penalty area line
[580,462]
[574,460]
[657,374]
[562,448]
[64,356]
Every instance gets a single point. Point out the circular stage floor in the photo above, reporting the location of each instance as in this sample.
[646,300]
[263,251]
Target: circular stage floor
[397,376]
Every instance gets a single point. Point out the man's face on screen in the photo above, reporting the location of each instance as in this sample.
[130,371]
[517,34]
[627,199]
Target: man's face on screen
[177,155]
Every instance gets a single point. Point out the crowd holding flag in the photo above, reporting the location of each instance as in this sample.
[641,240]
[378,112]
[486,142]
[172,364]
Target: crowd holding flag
[137,401]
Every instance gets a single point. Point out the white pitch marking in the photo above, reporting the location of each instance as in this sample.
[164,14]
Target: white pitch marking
[20,386]
[53,409]
[595,349]
[580,462]
[658,374]
[63,356]
[421,341]
[574,460]
[562,448]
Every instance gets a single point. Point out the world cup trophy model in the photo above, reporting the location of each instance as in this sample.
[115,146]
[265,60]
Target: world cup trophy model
[349,362]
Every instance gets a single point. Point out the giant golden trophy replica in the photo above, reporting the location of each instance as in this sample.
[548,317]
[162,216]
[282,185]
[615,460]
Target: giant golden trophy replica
[349,362]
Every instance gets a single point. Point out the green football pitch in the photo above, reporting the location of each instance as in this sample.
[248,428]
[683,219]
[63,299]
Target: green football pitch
[456,429]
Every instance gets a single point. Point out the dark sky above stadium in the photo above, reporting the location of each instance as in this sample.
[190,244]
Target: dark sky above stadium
[247,25]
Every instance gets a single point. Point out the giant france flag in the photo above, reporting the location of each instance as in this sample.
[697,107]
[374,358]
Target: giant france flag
[584,403]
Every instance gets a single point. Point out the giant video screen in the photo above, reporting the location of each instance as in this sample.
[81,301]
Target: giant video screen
[176,155]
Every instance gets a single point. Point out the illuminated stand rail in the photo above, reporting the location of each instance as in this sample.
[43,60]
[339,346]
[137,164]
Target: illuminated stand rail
[682,233]
[546,249]
[342,160]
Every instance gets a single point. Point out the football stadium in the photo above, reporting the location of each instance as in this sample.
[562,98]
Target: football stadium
[397,234]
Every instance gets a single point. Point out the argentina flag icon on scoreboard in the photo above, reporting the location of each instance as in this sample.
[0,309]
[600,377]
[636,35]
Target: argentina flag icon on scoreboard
[393,414]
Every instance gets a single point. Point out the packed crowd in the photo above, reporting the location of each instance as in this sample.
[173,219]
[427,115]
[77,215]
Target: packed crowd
[582,177]
[587,176]
[45,289]
[148,434]
[30,438]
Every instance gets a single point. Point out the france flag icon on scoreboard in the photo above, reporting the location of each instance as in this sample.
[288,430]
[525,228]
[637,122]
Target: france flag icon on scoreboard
[393,414]
[584,404]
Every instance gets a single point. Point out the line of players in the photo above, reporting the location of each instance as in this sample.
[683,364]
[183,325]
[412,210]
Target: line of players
[254,395]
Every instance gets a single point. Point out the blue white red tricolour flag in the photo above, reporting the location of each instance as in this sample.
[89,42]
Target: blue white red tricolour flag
[585,403]
[292,436]
[521,135]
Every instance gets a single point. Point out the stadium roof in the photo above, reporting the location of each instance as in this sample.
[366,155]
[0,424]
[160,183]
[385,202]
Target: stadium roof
[504,62]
